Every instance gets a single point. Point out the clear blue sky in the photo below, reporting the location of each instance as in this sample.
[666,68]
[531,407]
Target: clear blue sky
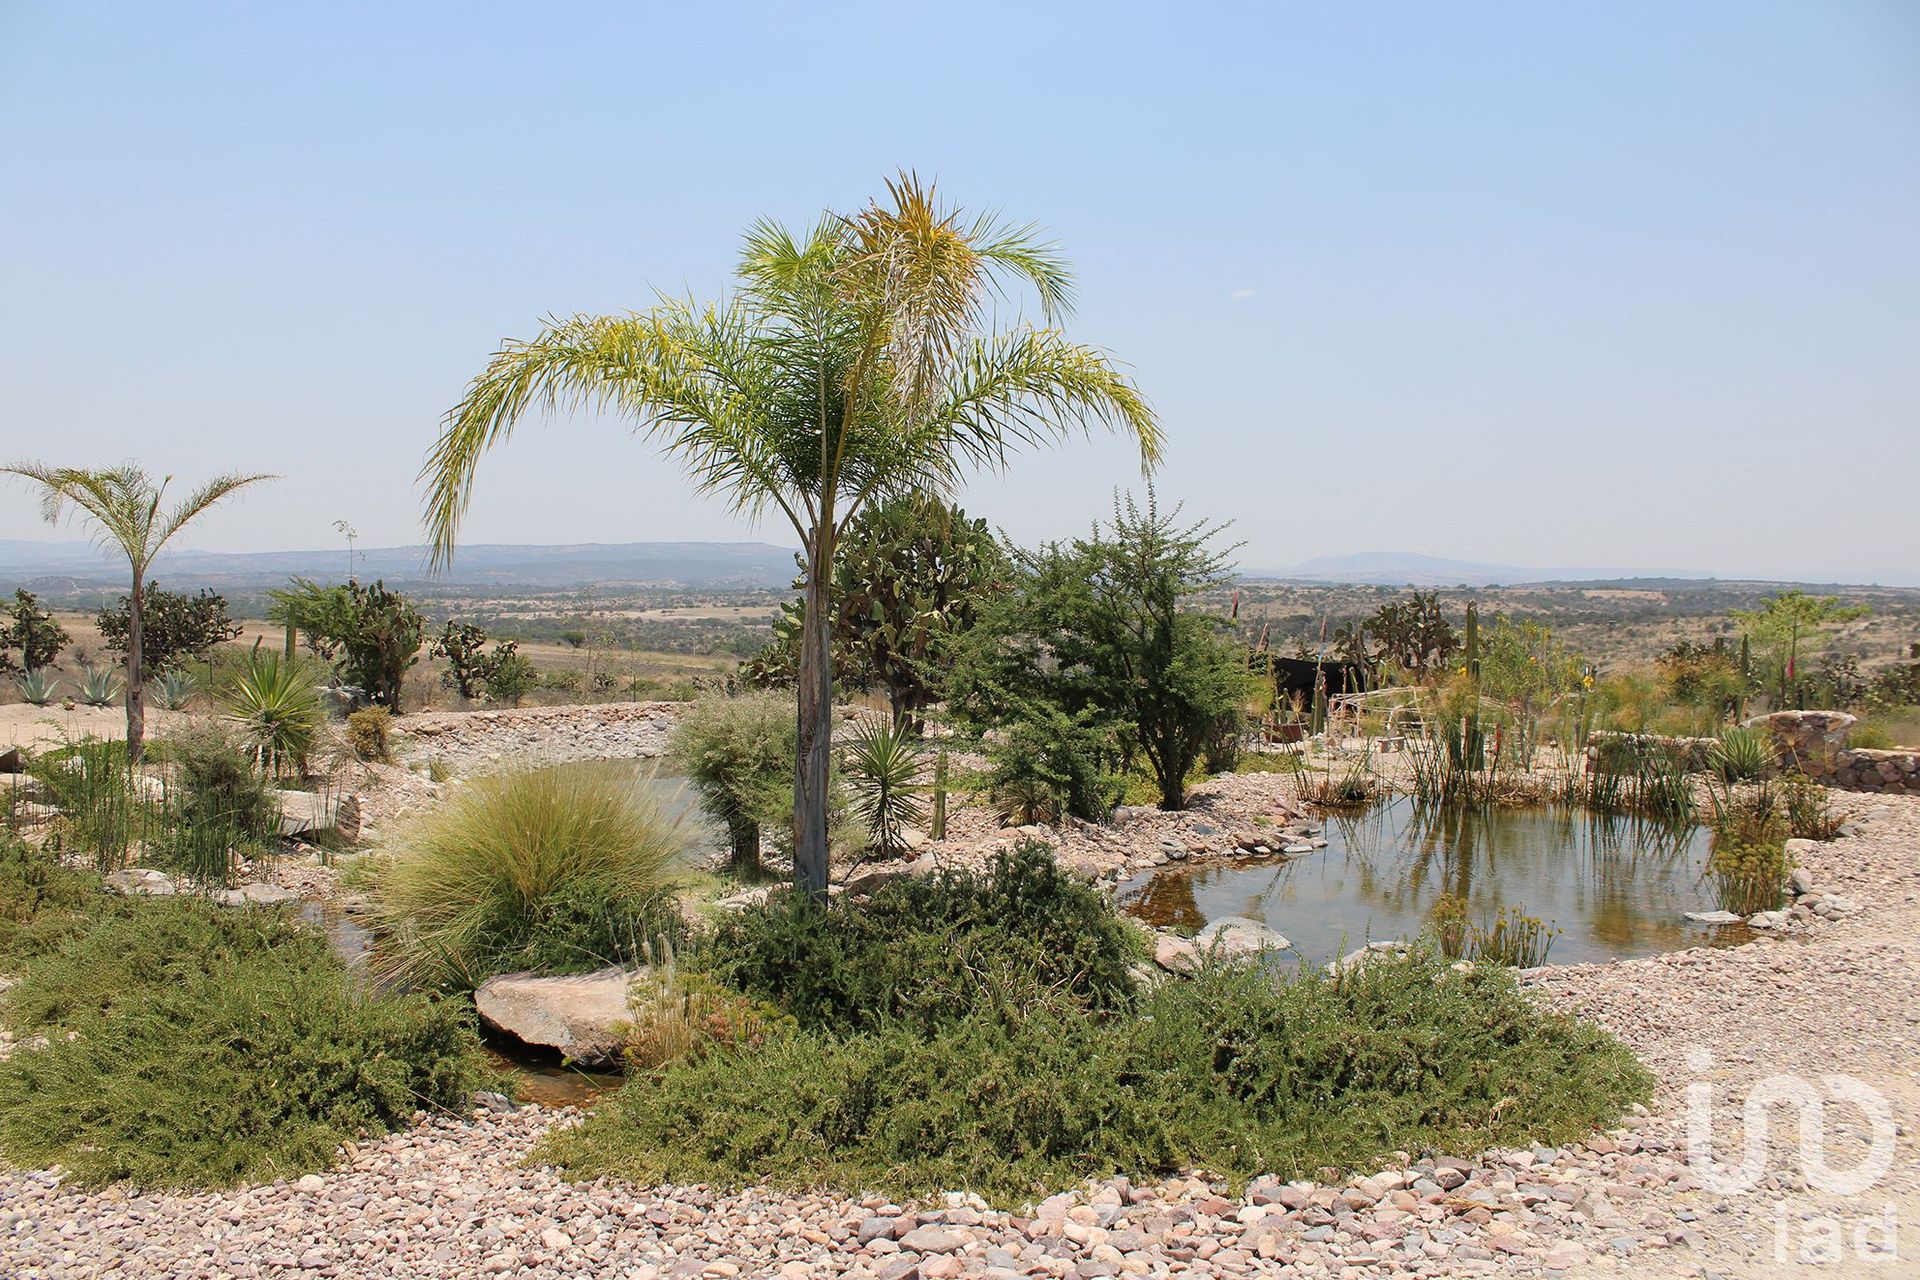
[1546,284]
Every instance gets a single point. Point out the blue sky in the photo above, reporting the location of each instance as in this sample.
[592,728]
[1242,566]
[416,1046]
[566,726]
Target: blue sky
[1540,284]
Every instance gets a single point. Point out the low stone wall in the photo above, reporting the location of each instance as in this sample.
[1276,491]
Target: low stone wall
[1814,743]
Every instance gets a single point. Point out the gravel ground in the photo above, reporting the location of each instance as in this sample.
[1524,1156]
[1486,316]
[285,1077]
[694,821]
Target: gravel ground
[452,1198]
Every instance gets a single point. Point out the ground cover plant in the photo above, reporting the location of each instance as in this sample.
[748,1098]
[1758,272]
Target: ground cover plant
[193,1045]
[987,1066]
[559,870]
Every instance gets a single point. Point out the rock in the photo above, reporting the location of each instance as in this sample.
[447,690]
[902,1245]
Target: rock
[1801,879]
[1239,936]
[1767,920]
[140,880]
[932,1239]
[573,1014]
[305,812]
[258,895]
[1713,917]
[1175,954]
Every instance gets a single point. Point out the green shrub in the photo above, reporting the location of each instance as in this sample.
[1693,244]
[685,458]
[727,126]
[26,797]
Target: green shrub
[192,1045]
[738,753]
[369,733]
[1749,862]
[1863,737]
[217,807]
[1809,809]
[1230,1072]
[929,949]
[559,870]
[1048,765]
[1269,762]
[42,902]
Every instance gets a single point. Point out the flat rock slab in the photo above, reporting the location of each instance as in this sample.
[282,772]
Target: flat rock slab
[572,1014]
[258,895]
[140,880]
[1239,936]
[1714,917]
[1175,954]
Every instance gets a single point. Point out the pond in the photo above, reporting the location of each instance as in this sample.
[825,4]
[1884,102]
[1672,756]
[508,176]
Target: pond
[1615,887]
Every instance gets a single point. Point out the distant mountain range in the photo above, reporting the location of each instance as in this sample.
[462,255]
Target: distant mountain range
[719,564]
[756,564]
[1407,568]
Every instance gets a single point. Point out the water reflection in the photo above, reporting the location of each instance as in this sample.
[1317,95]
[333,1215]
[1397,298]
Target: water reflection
[1616,887]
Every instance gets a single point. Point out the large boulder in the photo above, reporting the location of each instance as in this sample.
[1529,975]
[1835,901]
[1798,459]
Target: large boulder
[140,882]
[305,813]
[574,1015]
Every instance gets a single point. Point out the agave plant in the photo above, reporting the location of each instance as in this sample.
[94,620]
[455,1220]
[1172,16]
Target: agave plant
[883,775]
[275,706]
[174,690]
[1742,755]
[99,688]
[38,687]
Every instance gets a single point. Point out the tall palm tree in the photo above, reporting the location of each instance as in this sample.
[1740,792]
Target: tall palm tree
[852,361]
[124,505]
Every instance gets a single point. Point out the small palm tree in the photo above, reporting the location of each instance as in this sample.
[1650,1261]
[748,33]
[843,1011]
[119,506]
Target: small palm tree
[855,361]
[124,505]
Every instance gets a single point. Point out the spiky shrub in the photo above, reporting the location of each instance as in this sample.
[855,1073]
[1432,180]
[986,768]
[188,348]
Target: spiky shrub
[190,1045]
[99,688]
[738,753]
[558,870]
[1741,754]
[37,687]
[883,773]
[274,705]
[174,690]
[1809,809]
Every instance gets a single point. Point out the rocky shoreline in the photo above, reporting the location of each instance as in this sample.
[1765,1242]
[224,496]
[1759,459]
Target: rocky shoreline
[453,1197]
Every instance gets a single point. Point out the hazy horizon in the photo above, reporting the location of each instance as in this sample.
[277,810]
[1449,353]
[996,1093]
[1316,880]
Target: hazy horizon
[1517,285]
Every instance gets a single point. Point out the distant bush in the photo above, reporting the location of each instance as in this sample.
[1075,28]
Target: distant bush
[558,870]
[929,949]
[369,733]
[1230,1072]
[191,1045]
[175,627]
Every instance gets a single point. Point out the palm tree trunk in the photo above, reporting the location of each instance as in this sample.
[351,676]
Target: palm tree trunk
[816,729]
[136,689]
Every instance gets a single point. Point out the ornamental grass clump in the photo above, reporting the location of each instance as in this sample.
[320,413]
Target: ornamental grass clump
[557,870]
[190,1045]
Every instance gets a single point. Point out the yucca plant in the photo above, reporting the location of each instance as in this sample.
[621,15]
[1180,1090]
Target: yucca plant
[275,708]
[555,870]
[37,687]
[99,688]
[1742,755]
[883,778]
[174,690]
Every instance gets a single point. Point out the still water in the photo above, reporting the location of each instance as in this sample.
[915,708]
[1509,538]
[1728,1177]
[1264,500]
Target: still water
[1615,887]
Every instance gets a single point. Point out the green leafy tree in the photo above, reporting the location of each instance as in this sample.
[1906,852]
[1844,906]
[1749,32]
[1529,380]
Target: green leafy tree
[370,635]
[1786,623]
[34,632]
[912,576]
[175,627]
[124,505]
[1096,628]
[855,360]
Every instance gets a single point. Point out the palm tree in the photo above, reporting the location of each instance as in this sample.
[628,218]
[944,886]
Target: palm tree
[852,362]
[124,505]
